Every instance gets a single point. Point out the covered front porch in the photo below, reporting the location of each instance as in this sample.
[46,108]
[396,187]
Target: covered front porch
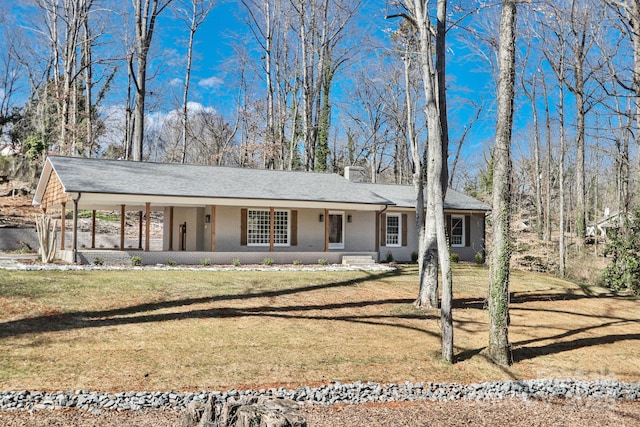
[203,234]
[207,215]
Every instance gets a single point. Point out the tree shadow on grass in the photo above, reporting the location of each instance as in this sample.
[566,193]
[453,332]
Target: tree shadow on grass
[480,303]
[524,350]
[525,353]
[138,314]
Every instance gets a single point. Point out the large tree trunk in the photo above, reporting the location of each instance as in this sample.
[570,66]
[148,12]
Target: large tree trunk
[441,172]
[146,13]
[436,185]
[499,348]
[427,258]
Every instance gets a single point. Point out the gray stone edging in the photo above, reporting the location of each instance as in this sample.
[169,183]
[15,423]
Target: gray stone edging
[11,263]
[334,393]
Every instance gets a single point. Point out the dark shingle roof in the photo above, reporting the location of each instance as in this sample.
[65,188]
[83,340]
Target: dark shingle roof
[82,175]
[405,196]
[179,180]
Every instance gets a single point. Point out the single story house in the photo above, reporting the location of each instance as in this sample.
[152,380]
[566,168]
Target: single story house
[222,214]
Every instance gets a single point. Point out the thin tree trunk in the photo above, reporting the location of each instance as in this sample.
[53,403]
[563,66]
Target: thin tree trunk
[187,80]
[536,156]
[632,9]
[547,227]
[88,76]
[561,220]
[128,118]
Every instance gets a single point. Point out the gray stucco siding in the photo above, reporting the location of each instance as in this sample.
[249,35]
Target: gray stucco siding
[477,243]
[194,218]
[360,232]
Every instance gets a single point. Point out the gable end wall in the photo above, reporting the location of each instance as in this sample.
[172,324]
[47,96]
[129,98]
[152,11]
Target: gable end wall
[54,193]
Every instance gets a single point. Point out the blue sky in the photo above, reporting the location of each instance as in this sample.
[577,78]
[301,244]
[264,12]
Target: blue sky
[467,80]
[213,86]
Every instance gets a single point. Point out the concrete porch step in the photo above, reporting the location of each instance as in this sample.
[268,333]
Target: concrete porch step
[357,260]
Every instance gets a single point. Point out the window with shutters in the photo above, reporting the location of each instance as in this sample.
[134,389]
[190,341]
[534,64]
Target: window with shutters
[393,230]
[457,231]
[259,227]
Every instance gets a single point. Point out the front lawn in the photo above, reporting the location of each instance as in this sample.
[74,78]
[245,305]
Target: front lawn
[193,330]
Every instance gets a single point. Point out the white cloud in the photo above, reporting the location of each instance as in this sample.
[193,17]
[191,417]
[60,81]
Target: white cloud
[211,82]
[175,82]
[196,107]
[114,116]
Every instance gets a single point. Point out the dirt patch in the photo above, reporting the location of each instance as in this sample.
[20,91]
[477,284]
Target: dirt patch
[456,413]
[16,208]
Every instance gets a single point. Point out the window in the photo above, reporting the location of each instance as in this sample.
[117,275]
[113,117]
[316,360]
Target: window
[394,230]
[457,231]
[281,228]
[259,227]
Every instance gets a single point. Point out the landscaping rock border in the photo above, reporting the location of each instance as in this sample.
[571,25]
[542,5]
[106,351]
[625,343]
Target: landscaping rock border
[13,263]
[334,393]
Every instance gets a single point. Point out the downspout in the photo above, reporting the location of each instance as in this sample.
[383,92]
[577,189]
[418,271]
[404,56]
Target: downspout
[75,226]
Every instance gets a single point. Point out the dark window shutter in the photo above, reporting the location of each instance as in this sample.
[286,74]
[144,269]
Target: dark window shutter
[404,229]
[383,230]
[294,228]
[243,227]
[467,230]
[448,225]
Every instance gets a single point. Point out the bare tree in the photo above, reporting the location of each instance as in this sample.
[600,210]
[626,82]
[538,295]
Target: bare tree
[369,115]
[629,14]
[499,347]
[432,70]
[193,13]
[529,89]
[145,15]
[576,25]
[454,164]
[55,49]
[10,70]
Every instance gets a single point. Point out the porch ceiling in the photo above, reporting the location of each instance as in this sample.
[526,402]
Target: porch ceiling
[104,201]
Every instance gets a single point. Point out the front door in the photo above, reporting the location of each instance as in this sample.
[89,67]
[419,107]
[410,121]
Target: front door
[336,230]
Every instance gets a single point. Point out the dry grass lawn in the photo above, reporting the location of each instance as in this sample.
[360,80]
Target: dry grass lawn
[194,330]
